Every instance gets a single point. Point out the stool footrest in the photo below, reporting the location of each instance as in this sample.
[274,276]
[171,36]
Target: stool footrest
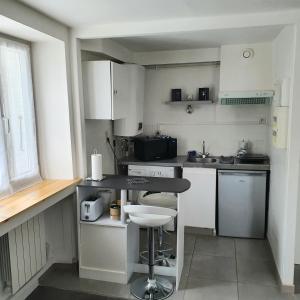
[158,288]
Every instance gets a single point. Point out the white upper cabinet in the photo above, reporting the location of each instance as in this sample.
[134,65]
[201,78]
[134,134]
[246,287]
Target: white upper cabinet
[132,124]
[120,86]
[105,90]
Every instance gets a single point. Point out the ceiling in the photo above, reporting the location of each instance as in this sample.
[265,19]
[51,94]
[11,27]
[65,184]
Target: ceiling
[200,39]
[76,13]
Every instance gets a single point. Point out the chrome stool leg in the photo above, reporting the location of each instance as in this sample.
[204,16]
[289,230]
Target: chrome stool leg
[163,252]
[151,287]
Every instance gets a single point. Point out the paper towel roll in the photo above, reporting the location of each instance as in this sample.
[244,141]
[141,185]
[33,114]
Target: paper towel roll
[96,162]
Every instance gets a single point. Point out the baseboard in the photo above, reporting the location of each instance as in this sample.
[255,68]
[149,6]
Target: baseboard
[103,275]
[287,289]
[284,288]
[199,231]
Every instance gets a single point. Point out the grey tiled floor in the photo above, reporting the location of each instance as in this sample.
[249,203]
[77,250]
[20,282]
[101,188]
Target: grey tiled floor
[227,268]
[215,269]
[51,293]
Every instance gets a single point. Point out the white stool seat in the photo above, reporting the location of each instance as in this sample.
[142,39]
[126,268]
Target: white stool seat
[149,216]
[149,220]
[167,200]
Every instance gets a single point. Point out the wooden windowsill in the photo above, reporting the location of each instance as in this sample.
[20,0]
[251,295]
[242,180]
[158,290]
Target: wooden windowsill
[29,197]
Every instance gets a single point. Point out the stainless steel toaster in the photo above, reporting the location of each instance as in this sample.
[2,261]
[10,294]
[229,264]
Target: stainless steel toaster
[92,209]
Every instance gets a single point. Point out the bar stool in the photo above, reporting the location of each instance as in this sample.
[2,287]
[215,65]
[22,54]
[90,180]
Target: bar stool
[167,200]
[151,286]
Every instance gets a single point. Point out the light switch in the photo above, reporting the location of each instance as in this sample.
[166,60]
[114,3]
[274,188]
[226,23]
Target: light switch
[279,126]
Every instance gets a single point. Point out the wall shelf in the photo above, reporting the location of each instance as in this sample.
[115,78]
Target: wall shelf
[191,102]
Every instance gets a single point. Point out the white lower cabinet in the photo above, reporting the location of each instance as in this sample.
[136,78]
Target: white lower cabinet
[199,202]
[108,253]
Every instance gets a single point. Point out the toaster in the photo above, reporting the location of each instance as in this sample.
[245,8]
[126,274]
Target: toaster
[91,209]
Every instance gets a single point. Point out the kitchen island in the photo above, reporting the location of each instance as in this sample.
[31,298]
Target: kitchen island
[109,249]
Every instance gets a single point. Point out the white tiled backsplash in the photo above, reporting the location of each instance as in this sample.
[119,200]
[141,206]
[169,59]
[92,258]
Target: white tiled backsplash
[222,127]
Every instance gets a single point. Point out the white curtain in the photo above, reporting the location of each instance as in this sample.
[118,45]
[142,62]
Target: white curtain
[18,145]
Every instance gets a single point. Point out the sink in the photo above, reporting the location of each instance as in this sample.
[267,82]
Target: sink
[206,160]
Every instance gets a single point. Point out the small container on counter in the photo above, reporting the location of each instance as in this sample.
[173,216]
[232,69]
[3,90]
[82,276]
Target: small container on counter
[115,211]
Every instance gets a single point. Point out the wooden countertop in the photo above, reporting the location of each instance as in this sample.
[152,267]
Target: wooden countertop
[29,197]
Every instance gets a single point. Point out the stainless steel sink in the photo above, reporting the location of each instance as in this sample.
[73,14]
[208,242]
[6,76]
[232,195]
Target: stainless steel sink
[206,160]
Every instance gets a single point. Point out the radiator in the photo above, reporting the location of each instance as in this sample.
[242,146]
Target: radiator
[5,261]
[23,253]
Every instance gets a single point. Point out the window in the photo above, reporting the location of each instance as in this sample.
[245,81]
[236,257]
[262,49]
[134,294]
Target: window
[18,146]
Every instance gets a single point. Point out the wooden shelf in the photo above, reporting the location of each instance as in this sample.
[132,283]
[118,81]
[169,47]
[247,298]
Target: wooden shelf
[192,102]
[29,197]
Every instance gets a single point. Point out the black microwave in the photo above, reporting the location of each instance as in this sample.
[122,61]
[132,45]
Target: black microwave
[155,147]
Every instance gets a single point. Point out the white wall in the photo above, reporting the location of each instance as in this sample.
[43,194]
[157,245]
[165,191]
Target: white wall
[220,126]
[297,237]
[238,73]
[52,110]
[95,131]
[293,170]
[282,63]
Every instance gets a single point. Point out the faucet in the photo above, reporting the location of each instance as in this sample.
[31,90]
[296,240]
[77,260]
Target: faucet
[203,153]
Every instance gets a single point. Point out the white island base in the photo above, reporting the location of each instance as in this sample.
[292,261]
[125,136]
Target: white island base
[109,249]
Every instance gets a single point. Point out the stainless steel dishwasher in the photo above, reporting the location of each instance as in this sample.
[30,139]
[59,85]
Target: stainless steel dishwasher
[242,203]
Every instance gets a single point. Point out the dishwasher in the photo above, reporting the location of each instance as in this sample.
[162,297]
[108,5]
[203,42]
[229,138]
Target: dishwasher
[242,203]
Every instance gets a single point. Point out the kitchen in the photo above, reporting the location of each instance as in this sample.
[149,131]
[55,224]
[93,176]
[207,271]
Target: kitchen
[211,122]
[221,142]
[165,154]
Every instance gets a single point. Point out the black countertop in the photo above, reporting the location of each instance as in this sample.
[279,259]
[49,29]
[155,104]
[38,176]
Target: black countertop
[181,161]
[151,184]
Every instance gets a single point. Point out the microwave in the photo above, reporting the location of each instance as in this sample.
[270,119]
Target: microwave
[155,148]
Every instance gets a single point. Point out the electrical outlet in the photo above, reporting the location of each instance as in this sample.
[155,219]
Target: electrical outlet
[262,121]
